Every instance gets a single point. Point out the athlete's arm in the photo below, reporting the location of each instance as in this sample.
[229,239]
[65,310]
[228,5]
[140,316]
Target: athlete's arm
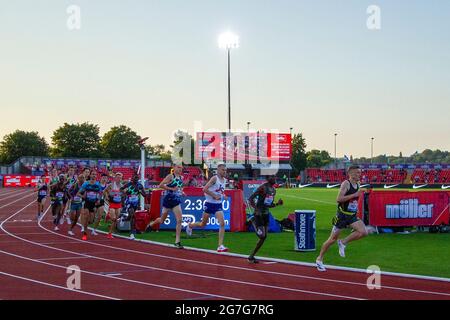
[209,185]
[258,192]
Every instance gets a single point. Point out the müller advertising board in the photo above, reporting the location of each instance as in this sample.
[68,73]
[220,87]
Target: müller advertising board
[404,209]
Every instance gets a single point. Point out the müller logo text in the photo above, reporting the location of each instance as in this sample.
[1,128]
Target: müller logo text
[409,209]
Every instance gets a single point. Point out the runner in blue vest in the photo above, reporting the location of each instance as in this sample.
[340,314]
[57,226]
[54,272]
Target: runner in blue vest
[173,184]
[91,193]
[133,190]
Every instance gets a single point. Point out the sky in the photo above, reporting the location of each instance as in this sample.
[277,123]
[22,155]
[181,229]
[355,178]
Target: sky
[156,67]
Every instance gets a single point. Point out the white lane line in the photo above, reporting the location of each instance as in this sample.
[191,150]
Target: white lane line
[273,260]
[198,275]
[56,286]
[63,258]
[93,273]
[5,205]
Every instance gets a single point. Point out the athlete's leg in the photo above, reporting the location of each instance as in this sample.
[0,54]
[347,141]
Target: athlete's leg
[261,232]
[334,236]
[162,218]
[359,232]
[178,216]
[220,218]
[131,212]
[202,223]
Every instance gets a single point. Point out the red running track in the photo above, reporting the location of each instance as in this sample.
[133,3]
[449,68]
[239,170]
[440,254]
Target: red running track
[34,261]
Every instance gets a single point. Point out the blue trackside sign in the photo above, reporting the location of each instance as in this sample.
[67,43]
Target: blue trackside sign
[192,208]
[305,230]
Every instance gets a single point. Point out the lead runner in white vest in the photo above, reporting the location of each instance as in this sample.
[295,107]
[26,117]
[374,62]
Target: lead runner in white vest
[214,194]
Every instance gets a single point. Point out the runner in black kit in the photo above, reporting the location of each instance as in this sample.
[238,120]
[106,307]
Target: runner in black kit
[264,196]
[76,203]
[42,190]
[346,216]
[57,193]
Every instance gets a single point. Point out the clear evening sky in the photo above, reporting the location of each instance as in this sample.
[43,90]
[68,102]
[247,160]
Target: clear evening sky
[155,66]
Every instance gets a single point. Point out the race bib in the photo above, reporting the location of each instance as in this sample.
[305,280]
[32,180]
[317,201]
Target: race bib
[117,199]
[91,196]
[268,200]
[353,206]
[59,195]
[43,193]
[77,199]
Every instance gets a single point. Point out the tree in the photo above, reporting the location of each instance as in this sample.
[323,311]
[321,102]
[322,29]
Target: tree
[317,158]
[159,150]
[298,161]
[120,143]
[77,140]
[22,143]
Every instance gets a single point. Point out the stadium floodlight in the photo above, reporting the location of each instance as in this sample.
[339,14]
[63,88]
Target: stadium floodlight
[228,40]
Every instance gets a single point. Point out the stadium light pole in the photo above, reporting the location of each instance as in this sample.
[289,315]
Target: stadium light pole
[335,158]
[248,126]
[371,151]
[228,40]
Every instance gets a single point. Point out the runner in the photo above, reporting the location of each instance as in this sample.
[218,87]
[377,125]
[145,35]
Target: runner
[54,178]
[173,184]
[214,194]
[264,196]
[101,206]
[76,203]
[70,181]
[42,190]
[57,193]
[90,190]
[114,196]
[346,216]
[132,191]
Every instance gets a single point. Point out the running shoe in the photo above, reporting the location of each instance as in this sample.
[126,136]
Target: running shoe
[341,249]
[56,228]
[69,222]
[188,230]
[94,233]
[82,229]
[252,260]
[178,245]
[84,237]
[132,237]
[109,236]
[71,233]
[320,266]
[61,221]
[222,248]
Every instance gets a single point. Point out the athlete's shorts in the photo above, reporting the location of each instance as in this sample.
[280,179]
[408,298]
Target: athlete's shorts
[342,220]
[90,206]
[65,200]
[171,201]
[115,206]
[40,198]
[212,208]
[76,206]
[261,219]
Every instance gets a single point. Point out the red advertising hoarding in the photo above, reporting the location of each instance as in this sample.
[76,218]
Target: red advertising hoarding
[242,146]
[20,181]
[407,209]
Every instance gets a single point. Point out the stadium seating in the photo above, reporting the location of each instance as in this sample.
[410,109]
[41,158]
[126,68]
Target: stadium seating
[367,176]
